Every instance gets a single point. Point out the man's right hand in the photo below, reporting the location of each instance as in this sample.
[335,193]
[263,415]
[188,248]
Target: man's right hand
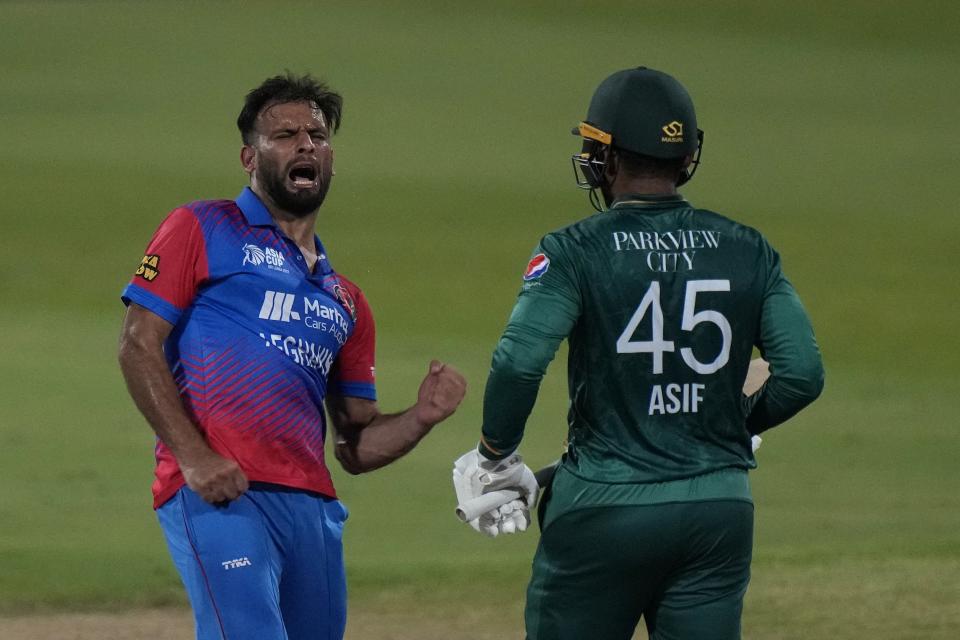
[440,394]
[474,475]
[214,478]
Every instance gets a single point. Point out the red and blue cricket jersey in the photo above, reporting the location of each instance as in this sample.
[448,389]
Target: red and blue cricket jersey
[258,341]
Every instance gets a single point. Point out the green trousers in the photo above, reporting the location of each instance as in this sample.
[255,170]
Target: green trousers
[682,566]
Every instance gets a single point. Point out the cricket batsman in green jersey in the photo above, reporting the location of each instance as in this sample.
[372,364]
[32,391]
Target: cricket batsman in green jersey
[649,513]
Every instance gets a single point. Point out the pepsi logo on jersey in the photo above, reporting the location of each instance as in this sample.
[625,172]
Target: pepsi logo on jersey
[537,266]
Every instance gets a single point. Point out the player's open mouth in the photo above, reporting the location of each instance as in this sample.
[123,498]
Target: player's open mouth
[303,176]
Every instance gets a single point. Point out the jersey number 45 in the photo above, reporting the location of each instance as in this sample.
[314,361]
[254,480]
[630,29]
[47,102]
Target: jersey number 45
[657,346]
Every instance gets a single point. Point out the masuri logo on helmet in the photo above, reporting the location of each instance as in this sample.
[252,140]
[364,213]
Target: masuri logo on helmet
[673,131]
[632,106]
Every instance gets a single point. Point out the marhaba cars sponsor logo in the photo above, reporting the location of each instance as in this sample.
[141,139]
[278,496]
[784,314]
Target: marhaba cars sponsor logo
[279,305]
[252,254]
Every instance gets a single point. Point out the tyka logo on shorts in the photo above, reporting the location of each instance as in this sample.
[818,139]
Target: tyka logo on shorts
[236,563]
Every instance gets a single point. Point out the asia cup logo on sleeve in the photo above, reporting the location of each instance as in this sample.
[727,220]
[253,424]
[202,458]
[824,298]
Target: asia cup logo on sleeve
[537,267]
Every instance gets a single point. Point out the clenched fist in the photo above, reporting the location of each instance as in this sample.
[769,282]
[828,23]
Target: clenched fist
[440,394]
[214,478]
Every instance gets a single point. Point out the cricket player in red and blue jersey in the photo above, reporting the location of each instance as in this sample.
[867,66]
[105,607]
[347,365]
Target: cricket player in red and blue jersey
[238,332]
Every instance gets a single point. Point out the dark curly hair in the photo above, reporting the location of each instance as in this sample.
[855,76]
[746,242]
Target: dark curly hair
[289,88]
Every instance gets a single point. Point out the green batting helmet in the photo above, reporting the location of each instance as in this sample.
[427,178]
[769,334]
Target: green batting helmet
[640,110]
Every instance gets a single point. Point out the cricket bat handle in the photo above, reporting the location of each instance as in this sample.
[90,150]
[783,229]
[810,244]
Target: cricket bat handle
[473,509]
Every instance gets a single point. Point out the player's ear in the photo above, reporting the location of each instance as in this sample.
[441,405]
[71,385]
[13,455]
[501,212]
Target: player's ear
[248,158]
[612,165]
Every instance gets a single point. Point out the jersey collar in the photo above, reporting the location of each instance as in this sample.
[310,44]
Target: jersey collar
[254,210]
[648,201]
[257,215]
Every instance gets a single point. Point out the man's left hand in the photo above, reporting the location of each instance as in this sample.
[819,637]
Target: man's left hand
[440,394]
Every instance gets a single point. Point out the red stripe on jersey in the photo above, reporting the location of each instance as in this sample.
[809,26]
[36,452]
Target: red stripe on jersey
[181,260]
[356,360]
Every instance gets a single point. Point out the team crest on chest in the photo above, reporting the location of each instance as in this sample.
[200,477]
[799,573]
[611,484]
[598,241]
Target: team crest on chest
[346,300]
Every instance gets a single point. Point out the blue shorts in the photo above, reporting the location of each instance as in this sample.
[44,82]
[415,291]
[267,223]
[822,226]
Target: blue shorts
[268,565]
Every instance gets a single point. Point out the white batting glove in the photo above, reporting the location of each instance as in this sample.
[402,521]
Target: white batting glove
[514,517]
[466,471]
[474,475]
[755,442]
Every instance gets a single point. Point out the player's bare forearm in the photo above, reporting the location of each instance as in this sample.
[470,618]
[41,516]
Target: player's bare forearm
[151,385]
[367,439]
[362,445]
[155,393]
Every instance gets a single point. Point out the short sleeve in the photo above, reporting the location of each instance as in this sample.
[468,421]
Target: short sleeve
[354,370]
[175,265]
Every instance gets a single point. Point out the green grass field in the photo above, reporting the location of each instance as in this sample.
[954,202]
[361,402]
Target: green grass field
[830,126]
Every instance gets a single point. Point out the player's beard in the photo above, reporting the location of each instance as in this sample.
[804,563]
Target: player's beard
[297,202]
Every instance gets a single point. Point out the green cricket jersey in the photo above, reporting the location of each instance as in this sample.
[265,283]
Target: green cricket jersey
[662,304]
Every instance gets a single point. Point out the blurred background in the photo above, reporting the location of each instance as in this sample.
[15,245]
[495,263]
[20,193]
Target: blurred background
[831,127]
